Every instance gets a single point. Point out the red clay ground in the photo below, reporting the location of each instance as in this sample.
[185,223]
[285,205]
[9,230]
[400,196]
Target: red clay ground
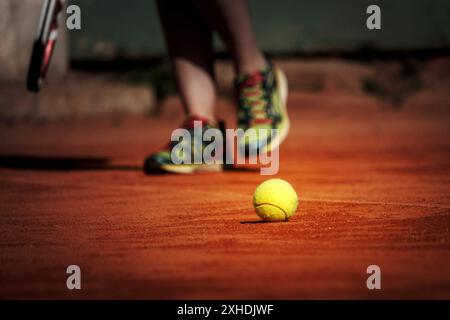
[374,187]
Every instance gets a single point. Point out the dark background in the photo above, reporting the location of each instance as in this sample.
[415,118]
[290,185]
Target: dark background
[131,28]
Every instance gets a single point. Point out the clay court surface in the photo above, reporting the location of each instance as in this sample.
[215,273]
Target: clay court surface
[374,187]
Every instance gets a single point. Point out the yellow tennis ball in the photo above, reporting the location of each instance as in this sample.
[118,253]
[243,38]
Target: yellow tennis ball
[275,200]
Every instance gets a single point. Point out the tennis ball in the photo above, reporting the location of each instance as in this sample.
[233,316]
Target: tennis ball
[275,200]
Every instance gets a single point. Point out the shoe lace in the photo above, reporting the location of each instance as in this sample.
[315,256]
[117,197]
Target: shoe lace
[188,124]
[253,99]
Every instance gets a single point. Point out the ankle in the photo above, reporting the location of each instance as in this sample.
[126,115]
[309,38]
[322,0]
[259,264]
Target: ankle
[251,65]
[203,118]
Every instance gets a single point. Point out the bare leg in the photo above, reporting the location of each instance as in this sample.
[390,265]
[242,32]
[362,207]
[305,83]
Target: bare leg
[231,19]
[189,43]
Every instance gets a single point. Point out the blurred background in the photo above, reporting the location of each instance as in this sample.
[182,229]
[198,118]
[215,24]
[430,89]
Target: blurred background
[114,28]
[116,63]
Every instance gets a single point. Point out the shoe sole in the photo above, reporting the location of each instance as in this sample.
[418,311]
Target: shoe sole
[188,169]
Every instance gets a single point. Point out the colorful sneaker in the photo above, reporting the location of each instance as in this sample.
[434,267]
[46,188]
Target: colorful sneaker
[261,99]
[169,160]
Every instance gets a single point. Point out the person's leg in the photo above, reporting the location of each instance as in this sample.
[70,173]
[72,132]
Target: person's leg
[189,42]
[261,88]
[231,19]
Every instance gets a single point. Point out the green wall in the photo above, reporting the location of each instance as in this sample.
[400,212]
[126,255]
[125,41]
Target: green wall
[131,28]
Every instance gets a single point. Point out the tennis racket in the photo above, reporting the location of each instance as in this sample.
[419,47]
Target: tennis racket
[44,44]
